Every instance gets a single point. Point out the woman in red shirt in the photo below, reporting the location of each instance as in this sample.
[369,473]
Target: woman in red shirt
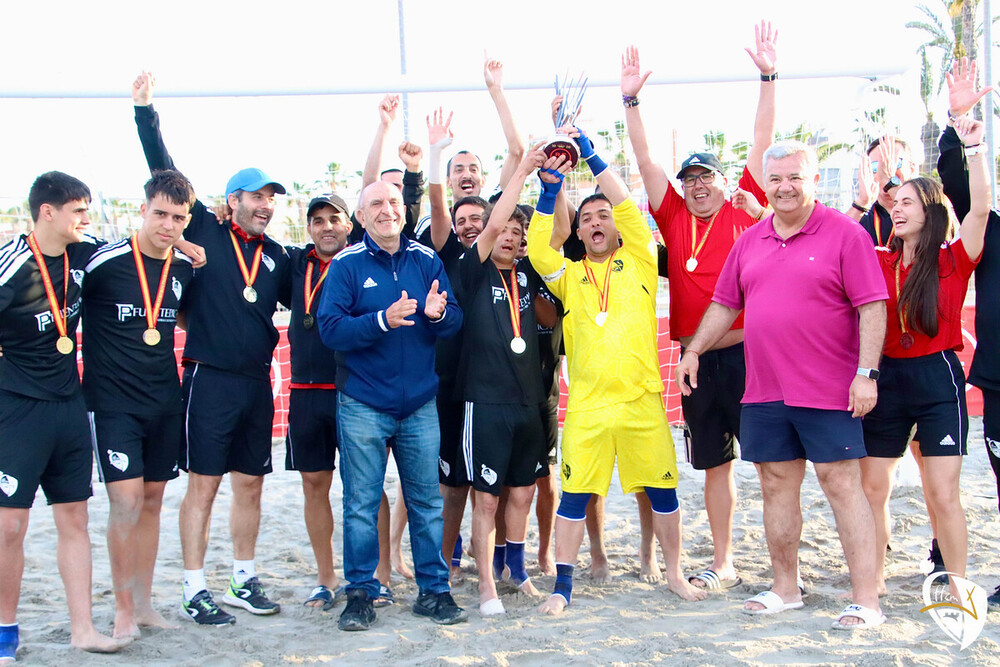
[922,382]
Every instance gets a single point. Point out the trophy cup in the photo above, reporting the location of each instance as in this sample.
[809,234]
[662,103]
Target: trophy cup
[572,91]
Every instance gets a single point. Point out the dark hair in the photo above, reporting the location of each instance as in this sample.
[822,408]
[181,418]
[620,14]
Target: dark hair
[918,298]
[874,144]
[390,171]
[173,185]
[447,169]
[55,188]
[597,196]
[472,200]
[516,215]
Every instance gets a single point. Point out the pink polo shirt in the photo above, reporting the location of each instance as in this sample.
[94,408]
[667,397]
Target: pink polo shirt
[800,297]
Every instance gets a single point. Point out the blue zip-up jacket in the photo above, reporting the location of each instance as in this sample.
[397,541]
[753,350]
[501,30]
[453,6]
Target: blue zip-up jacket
[391,370]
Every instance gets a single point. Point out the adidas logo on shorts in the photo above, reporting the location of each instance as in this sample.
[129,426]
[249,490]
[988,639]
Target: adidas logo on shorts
[118,460]
[8,484]
[946,440]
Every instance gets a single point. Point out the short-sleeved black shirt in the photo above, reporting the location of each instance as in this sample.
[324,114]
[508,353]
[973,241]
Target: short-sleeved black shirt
[489,371]
[31,365]
[120,372]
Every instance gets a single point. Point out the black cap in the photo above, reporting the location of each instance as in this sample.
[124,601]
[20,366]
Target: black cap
[336,201]
[706,160]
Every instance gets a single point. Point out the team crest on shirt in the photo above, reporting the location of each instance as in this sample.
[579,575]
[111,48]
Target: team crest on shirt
[488,474]
[617,265]
[176,288]
[77,277]
[994,446]
[565,470]
[522,279]
[268,262]
[8,484]
[118,460]
[445,467]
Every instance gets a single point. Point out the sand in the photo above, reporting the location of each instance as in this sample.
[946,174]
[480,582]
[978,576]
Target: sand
[622,622]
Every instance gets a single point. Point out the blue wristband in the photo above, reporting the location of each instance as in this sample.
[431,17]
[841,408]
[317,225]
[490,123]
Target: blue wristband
[594,161]
[547,200]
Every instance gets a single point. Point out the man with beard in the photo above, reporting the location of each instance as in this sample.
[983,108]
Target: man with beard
[227,361]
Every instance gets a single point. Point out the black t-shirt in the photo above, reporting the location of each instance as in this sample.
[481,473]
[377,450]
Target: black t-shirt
[312,361]
[876,212]
[120,372]
[985,370]
[31,365]
[489,371]
[447,351]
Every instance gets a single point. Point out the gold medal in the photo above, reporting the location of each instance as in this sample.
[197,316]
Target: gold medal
[250,294]
[151,337]
[65,345]
[691,265]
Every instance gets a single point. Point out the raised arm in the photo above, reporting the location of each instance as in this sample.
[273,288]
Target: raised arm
[867,190]
[147,122]
[504,207]
[413,185]
[493,75]
[439,135]
[654,178]
[546,260]
[973,229]
[386,117]
[608,180]
[962,97]
[765,58]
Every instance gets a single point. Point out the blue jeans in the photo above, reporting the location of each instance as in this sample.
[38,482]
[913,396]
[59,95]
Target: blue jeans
[363,433]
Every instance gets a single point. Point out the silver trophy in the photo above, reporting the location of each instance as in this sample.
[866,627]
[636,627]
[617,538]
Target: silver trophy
[572,91]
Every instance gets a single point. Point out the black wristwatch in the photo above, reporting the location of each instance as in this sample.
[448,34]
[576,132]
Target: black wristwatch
[870,373]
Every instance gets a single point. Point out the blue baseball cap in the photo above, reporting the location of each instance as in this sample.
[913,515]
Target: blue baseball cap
[251,179]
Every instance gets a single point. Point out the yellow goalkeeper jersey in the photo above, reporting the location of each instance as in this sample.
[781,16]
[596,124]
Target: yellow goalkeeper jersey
[615,362]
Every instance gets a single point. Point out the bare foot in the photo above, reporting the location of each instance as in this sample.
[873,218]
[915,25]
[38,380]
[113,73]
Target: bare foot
[681,587]
[546,564]
[455,575]
[553,606]
[599,570]
[94,642]
[528,588]
[400,566]
[125,628]
[649,571]
[150,618]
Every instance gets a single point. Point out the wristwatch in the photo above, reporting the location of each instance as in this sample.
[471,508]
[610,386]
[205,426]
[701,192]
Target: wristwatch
[870,373]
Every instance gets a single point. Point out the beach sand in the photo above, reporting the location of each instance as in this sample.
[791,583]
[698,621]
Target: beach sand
[622,622]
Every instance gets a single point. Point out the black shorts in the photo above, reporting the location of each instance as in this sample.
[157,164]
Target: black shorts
[991,424]
[227,422]
[712,411]
[927,391]
[128,446]
[450,457]
[549,410]
[311,439]
[502,445]
[44,443]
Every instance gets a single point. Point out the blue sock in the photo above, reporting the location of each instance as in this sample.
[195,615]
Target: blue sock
[456,554]
[499,556]
[564,581]
[8,640]
[515,561]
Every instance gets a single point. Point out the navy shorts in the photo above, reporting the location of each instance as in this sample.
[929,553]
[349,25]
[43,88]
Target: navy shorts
[311,439]
[450,457]
[227,422]
[712,411]
[502,445]
[926,391]
[128,446]
[773,432]
[44,443]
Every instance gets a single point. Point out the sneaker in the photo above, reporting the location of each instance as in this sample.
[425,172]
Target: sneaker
[251,597]
[202,610]
[440,608]
[359,613]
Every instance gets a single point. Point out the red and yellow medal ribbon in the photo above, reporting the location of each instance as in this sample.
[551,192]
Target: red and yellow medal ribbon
[513,301]
[249,276]
[902,312]
[696,249]
[152,310]
[310,291]
[602,294]
[58,315]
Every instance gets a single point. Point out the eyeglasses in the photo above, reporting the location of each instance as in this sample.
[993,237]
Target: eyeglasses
[899,165]
[706,177]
